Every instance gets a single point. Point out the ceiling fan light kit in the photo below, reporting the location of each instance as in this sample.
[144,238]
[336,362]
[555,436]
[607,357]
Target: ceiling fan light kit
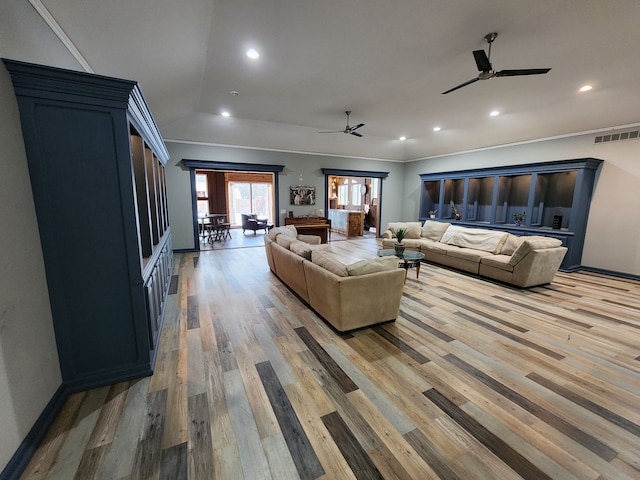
[485,70]
[349,130]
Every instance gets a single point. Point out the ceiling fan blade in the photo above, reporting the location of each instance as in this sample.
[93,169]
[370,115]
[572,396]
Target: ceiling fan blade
[524,71]
[461,85]
[334,131]
[482,61]
[355,127]
[356,134]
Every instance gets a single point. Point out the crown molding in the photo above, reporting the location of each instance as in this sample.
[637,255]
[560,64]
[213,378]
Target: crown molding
[57,30]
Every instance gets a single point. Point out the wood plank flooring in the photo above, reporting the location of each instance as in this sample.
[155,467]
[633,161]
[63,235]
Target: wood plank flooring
[475,380]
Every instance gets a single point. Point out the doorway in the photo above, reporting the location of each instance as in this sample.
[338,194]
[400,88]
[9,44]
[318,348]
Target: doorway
[223,196]
[357,193]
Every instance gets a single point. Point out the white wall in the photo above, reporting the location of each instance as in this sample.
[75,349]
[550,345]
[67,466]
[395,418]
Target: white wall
[612,241]
[310,166]
[29,368]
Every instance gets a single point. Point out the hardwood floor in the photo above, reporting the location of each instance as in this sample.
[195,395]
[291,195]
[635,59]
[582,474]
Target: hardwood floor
[475,380]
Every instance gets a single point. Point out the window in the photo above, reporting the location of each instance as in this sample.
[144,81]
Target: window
[375,187]
[356,193]
[343,194]
[350,193]
[202,192]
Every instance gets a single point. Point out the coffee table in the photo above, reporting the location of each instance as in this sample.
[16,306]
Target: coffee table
[410,259]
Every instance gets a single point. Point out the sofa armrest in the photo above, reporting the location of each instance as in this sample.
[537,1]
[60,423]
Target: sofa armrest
[538,267]
[387,234]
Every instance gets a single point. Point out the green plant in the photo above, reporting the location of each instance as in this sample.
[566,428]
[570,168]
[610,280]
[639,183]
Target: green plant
[432,212]
[399,233]
[519,217]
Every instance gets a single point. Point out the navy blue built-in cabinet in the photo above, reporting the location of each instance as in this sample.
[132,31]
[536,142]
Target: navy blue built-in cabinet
[97,167]
[552,197]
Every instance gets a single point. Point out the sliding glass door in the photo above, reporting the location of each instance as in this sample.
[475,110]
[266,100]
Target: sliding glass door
[250,197]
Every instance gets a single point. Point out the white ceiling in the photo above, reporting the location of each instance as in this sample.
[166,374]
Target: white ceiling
[387,61]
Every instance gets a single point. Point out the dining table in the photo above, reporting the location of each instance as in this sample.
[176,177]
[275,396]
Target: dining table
[213,226]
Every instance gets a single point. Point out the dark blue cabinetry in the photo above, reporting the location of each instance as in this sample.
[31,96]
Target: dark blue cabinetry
[96,163]
[551,198]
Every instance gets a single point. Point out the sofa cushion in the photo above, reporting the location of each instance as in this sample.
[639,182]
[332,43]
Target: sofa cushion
[533,243]
[498,261]
[304,249]
[414,229]
[511,243]
[436,247]
[433,230]
[476,238]
[373,265]
[470,254]
[329,262]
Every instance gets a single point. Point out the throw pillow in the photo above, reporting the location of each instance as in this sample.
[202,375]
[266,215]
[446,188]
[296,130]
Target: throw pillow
[511,243]
[414,229]
[285,241]
[274,232]
[373,265]
[329,262]
[304,249]
[289,230]
[434,230]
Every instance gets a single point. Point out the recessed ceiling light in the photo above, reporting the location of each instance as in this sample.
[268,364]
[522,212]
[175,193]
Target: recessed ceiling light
[494,113]
[436,129]
[253,54]
[234,93]
[585,88]
[403,138]
[224,113]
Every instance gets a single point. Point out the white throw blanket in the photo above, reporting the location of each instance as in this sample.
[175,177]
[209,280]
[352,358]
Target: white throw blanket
[476,238]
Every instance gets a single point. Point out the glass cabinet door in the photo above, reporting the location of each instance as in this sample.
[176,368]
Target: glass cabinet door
[479,199]
[431,197]
[453,198]
[513,197]
[553,200]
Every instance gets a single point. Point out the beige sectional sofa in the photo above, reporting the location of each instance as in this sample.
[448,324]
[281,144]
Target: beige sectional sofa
[523,261]
[348,295]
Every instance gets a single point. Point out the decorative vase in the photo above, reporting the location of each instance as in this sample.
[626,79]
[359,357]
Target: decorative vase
[432,215]
[399,248]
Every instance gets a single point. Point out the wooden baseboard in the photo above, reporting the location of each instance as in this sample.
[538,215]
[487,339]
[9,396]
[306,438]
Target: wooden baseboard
[29,445]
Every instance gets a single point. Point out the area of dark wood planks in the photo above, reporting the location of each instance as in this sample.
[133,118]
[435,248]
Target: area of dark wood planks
[302,453]
[496,445]
[474,380]
[173,464]
[327,362]
[360,463]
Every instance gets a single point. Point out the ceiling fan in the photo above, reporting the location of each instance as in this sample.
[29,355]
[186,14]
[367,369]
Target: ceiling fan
[348,129]
[486,70]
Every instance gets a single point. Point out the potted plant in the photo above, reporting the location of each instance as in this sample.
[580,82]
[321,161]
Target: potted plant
[519,217]
[432,213]
[399,233]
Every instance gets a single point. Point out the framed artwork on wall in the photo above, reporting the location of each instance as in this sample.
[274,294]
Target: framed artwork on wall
[302,195]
